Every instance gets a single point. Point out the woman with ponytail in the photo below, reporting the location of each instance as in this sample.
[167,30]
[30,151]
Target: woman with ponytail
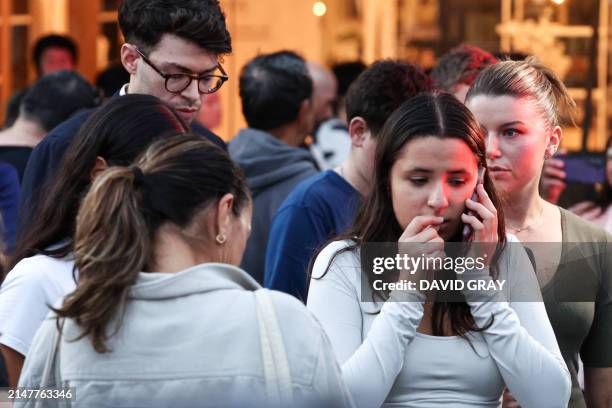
[162,316]
[522,106]
[42,263]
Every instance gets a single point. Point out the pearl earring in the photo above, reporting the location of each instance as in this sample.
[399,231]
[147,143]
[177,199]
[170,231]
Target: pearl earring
[221,238]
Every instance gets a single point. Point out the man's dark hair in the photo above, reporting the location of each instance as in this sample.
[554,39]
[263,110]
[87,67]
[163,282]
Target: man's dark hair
[57,41]
[383,87]
[112,79]
[144,22]
[272,88]
[346,73]
[461,65]
[57,96]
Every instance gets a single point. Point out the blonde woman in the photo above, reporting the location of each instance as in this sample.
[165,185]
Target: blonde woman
[521,106]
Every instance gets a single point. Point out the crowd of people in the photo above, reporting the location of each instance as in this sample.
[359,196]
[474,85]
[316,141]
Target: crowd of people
[150,263]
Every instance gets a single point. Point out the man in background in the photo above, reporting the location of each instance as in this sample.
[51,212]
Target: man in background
[276,95]
[325,205]
[457,69]
[172,51]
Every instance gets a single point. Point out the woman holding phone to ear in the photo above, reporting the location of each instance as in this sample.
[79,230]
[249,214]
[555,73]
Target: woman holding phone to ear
[413,352]
[521,105]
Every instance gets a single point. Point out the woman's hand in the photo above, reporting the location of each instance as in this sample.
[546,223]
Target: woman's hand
[420,238]
[484,226]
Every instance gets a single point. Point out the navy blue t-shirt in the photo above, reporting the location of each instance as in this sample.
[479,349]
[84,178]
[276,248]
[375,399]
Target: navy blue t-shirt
[318,209]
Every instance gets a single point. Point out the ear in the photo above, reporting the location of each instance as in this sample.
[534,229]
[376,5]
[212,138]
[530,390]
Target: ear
[358,131]
[99,166]
[554,141]
[224,214]
[306,115]
[129,56]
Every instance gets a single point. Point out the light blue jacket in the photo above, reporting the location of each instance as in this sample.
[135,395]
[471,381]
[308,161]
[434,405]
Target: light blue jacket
[190,339]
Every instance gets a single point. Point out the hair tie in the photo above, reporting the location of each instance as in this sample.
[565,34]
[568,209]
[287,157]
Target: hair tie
[138,175]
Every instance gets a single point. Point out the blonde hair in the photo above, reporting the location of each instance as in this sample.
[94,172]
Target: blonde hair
[528,79]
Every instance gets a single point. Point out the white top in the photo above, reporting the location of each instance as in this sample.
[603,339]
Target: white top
[191,339]
[28,290]
[333,144]
[384,359]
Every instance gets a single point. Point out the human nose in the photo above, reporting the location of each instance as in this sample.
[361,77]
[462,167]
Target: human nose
[438,199]
[192,92]
[492,146]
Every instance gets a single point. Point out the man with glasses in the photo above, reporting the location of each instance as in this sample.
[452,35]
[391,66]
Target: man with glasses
[172,51]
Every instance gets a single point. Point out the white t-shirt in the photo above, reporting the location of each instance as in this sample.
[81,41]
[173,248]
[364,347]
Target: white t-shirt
[29,289]
[386,361]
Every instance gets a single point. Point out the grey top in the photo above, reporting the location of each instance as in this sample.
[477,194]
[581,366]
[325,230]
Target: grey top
[190,339]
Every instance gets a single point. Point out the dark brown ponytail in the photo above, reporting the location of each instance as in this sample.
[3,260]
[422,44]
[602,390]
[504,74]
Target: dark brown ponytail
[173,182]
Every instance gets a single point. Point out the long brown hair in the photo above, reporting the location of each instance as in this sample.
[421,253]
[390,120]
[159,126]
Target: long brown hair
[429,114]
[173,181]
[118,132]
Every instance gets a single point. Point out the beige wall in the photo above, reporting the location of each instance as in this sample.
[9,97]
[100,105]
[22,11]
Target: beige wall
[262,26]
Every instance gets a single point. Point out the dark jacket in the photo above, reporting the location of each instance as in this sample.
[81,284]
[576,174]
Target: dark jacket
[272,169]
[46,157]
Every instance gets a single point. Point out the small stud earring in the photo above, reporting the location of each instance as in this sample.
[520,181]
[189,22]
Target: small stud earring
[221,238]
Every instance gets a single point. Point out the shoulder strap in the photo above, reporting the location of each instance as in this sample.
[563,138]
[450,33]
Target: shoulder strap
[51,373]
[50,376]
[276,366]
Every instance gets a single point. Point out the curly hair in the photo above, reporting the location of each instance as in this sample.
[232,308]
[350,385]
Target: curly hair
[381,89]
[461,65]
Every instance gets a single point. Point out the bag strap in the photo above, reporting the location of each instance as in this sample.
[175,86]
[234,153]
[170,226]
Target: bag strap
[51,373]
[50,376]
[279,389]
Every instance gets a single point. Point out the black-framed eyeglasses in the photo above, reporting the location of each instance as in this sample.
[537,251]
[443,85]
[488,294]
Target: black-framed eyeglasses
[177,83]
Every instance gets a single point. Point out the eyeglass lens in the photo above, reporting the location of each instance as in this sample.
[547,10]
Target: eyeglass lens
[178,83]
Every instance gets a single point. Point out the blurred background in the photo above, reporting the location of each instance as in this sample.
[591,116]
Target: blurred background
[571,36]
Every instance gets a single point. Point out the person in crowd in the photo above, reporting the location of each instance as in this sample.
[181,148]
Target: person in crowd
[522,105]
[51,53]
[327,146]
[50,101]
[42,261]
[402,347]
[457,69]
[346,73]
[172,51]
[211,113]
[9,199]
[324,205]
[54,53]
[599,212]
[332,142]
[112,79]
[276,92]
[168,233]
[324,90]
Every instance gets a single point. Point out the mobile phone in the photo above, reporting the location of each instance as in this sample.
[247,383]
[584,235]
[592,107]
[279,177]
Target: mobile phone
[583,168]
[467,229]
